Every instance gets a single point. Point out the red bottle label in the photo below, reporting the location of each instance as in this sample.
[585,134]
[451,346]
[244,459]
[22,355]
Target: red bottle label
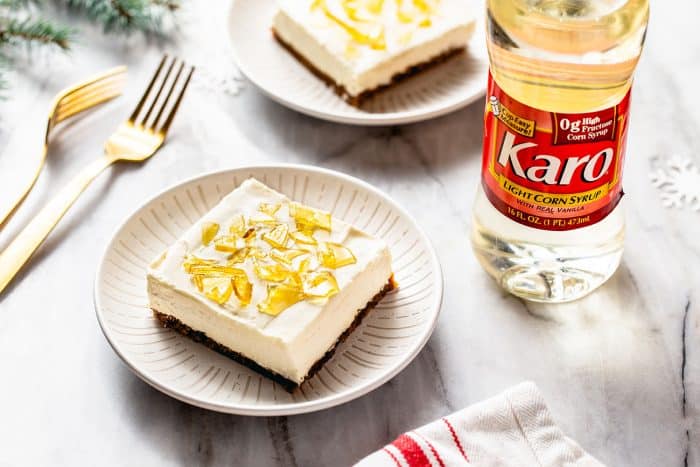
[550,170]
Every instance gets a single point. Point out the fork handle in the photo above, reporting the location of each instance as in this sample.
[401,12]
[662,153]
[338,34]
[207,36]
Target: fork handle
[32,236]
[18,179]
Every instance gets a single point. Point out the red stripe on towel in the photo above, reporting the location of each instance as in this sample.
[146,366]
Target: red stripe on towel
[432,448]
[455,439]
[411,451]
[391,454]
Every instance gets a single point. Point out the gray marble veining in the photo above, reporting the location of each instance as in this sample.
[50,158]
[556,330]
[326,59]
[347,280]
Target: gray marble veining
[619,369]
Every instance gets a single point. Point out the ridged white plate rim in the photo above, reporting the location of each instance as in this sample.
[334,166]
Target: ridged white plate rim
[297,407]
[368,119]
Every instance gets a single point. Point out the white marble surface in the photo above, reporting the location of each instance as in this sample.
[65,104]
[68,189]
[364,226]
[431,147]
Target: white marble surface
[620,369]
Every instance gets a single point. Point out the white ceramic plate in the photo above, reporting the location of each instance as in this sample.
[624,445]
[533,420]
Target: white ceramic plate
[388,339]
[437,91]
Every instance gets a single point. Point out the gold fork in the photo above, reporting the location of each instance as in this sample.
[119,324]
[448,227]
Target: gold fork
[67,103]
[137,139]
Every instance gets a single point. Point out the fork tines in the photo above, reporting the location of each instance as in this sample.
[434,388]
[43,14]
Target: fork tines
[98,89]
[155,111]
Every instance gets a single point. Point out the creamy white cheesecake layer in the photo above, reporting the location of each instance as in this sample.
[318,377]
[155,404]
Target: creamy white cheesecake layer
[358,67]
[290,343]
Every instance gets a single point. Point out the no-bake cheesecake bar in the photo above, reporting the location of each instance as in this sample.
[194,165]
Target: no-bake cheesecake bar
[269,282]
[362,46]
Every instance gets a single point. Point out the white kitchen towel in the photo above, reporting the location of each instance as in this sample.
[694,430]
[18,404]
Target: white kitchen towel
[514,428]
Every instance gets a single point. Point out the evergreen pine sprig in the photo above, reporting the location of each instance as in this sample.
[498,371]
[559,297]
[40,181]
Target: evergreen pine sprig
[34,31]
[171,5]
[20,24]
[125,15]
[14,4]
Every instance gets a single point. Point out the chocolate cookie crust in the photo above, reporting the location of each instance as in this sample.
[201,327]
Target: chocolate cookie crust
[171,322]
[358,100]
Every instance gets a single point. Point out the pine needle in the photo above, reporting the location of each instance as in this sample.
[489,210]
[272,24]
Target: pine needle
[34,31]
[15,4]
[19,24]
[171,5]
[124,15]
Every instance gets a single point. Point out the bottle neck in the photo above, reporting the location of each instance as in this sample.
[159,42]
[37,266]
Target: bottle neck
[558,57]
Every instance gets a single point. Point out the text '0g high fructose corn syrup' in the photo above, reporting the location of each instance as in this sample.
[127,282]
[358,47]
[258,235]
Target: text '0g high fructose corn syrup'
[548,224]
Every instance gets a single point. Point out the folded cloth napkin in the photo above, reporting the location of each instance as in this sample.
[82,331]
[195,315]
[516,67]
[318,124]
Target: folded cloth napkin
[514,428]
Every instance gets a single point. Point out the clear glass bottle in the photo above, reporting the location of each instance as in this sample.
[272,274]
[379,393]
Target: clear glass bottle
[548,225]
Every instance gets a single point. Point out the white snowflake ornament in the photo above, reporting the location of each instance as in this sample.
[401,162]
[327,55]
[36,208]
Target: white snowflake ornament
[679,182]
[219,74]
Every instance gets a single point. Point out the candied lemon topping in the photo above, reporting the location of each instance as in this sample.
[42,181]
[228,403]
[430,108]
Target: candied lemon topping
[209,231]
[277,237]
[335,255]
[275,273]
[262,219]
[320,285]
[243,289]
[308,218]
[217,289]
[239,255]
[303,237]
[279,298]
[193,260]
[237,226]
[227,243]
[277,246]
[365,23]
[269,209]
[287,256]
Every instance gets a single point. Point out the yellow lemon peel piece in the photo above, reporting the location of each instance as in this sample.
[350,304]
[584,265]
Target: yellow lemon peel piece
[239,255]
[356,11]
[249,235]
[276,273]
[279,298]
[304,266]
[192,260]
[237,226]
[226,244]
[263,219]
[197,279]
[320,285]
[257,253]
[404,16]
[277,237]
[305,237]
[209,231]
[287,256]
[334,255]
[375,6]
[269,209]
[309,218]
[371,34]
[243,289]
[217,289]
[418,11]
[424,6]
[216,270]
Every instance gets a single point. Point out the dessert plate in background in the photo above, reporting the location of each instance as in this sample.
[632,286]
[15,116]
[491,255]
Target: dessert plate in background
[439,90]
[390,336]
